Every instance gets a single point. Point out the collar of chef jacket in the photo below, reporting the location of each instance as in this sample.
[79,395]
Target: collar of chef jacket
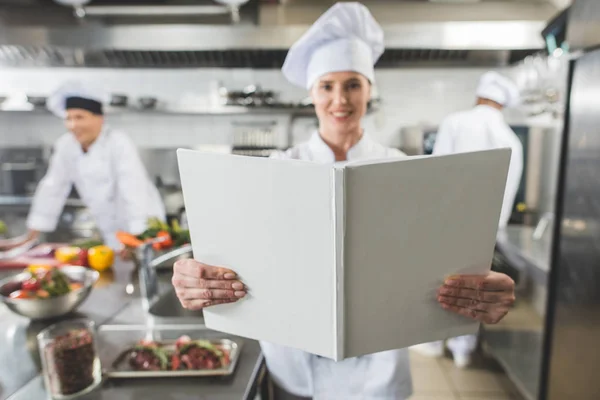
[102,137]
[491,111]
[323,153]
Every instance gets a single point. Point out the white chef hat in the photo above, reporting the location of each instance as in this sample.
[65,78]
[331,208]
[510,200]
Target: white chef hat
[498,88]
[76,94]
[345,38]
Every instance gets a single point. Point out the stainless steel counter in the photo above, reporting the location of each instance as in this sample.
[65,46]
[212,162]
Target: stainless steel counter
[19,361]
[109,304]
[526,253]
[516,342]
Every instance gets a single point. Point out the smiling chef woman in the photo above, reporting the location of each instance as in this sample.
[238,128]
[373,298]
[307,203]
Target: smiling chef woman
[101,162]
[335,60]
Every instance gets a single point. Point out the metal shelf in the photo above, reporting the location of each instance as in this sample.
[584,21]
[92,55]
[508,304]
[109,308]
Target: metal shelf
[229,110]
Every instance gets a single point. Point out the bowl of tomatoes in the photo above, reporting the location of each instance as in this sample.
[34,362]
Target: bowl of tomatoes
[44,293]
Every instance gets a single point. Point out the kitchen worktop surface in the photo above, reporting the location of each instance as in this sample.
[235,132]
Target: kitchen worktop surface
[110,304]
[525,252]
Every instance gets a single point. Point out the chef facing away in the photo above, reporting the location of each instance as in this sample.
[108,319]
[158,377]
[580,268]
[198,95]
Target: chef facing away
[334,60]
[102,163]
[481,128]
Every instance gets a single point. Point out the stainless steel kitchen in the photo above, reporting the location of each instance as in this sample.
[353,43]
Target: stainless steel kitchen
[123,126]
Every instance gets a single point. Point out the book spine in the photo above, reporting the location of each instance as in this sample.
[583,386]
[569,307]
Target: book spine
[338,205]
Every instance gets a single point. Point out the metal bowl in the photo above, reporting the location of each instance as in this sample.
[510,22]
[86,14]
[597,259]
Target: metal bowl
[166,259]
[52,307]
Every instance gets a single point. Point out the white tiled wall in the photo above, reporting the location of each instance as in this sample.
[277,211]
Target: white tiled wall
[410,96]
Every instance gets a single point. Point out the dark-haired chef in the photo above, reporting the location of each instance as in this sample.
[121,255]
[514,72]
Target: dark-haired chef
[102,163]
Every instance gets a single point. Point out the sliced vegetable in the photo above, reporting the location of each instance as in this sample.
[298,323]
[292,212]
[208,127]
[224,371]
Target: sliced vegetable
[167,241]
[128,239]
[175,362]
[180,238]
[45,283]
[55,282]
[175,225]
[66,254]
[31,285]
[88,244]
[204,344]
[20,294]
[34,268]
[155,351]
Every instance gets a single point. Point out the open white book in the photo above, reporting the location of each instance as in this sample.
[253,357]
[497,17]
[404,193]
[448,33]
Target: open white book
[343,260]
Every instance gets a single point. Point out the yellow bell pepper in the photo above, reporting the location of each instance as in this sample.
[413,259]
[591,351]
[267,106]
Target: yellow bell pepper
[67,254]
[101,258]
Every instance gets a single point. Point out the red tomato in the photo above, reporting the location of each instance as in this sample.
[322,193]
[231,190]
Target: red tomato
[31,285]
[167,242]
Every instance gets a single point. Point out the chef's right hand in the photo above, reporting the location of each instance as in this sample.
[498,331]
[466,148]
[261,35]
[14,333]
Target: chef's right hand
[199,285]
[9,244]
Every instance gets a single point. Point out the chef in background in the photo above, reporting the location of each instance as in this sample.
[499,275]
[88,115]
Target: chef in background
[481,128]
[101,162]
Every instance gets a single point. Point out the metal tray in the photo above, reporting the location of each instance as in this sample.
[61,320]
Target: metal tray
[116,364]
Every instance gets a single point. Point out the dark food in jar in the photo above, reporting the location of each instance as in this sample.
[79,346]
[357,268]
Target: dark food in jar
[71,360]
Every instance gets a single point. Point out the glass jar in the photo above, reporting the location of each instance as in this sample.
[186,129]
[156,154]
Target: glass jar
[70,362]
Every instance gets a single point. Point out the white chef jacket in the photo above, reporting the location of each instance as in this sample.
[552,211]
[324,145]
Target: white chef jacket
[483,128]
[384,375]
[110,179]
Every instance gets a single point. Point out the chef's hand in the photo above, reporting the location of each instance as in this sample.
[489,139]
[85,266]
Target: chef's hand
[9,244]
[484,298]
[198,285]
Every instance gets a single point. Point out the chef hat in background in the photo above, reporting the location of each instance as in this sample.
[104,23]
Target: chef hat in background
[76,94]
[345,38]
[498,88]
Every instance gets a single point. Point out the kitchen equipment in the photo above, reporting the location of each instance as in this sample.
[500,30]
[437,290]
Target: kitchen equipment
[166,259]
[250,96]
[37,101]
[69,358]
[254,138]
[118,100]
[147,103]
[51,307]
[76,223]
[115,343]
[19,178]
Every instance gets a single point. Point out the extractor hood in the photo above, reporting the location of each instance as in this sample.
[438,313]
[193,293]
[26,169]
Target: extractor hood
[43,33]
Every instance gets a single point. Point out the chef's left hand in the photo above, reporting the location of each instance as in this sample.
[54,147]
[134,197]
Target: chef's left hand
[484,298]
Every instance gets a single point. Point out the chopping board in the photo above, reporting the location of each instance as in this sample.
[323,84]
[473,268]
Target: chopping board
[40,254]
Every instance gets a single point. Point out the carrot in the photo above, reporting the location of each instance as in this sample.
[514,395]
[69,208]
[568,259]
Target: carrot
[128,239]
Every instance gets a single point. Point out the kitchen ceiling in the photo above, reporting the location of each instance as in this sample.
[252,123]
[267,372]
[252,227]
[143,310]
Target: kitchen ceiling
[418,33]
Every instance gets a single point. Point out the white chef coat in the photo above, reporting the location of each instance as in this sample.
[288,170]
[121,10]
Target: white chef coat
[483,128]
[384,375]
[110,179]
